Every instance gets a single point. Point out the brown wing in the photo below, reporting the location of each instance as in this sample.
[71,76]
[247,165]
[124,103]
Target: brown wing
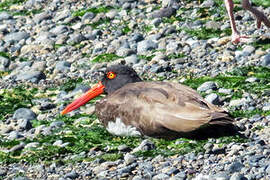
[161,107]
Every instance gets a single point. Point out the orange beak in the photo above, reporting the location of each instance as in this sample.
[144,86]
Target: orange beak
[90,94]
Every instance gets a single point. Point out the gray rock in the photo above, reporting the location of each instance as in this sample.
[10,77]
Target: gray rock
[165,12]
[133,59]
[161,177]
[60,29]
[137,37]
[72,175]
[57,124]
[75,38]
[156,22]
[129,158]
[16,36]
[235,167]
[24,124]
[252,79]
[248,50]
[146,166]
[207,86]
[21,178]
[124,52]
[32,76]
[3,172]
[265,60]
[213,98]
[62,66]
[42,16]
[87,17]
[208,4]
[24,113]
[221,176]
[238,102]
[32,145]
[61,15]
[238,176]
[123,148]
[5,16]
[225,91]
[4,63]
[14,135]
[146,45]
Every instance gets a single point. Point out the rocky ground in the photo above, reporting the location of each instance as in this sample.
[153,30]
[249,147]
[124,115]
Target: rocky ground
[51,51]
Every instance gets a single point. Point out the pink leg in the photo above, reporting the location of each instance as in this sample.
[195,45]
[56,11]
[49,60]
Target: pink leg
[261,18]
[236,37]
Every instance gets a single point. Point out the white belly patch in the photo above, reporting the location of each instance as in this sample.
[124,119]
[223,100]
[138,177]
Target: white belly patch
[120,129]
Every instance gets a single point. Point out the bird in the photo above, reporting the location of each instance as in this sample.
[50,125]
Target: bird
[156,109]
[260,17]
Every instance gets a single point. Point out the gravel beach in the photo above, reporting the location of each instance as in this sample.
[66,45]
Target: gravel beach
[52,51]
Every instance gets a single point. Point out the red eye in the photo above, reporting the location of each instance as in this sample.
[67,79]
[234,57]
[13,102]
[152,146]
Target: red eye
[111,75]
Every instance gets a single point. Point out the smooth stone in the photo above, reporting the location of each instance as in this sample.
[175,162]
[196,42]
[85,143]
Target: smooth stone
[3,172]
[133,59]
[137,37]
[238,176]
[60,29]
[206,86]
[4,63]
[32,76]
[62,66]
[165,12]
[123,148]
[266,107]
[57,124]
[16,36]
[265,60]
[24,124]
[161,177]
[75,39]
[61,15]
[252,79]
[129,159]
[248,50]
[24,113]
[87,17]
[124,52]
[225,91]
[146,45]
[72,175]
[21,178]
[146,166]
[14,135]
[213,98]
[145,145]
[238,102]
[42,16]
[207,4]
[235,167]
[5,16]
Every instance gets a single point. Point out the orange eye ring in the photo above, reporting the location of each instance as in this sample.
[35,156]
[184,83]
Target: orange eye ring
[111,75]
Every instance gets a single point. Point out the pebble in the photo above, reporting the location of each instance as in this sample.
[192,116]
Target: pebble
[266,60]
[213,98]
[207,86]
[16,36]
[24,113]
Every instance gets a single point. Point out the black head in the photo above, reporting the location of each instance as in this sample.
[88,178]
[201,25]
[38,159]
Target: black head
[117,76]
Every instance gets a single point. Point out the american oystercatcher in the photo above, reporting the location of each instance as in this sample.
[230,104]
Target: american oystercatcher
[157,109]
